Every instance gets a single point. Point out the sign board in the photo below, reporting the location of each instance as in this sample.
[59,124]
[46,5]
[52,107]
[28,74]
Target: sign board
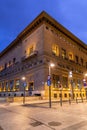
[49,82]
[24,84]
[85,85]
[49,77]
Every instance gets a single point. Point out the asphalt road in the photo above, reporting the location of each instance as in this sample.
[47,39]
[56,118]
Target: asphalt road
[40,117]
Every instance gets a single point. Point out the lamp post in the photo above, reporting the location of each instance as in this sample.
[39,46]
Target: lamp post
[24,86]
[71,83]
[60,86]
[85,83]
[51,65]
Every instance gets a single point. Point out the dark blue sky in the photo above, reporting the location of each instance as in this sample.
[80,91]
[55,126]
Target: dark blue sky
[15,15]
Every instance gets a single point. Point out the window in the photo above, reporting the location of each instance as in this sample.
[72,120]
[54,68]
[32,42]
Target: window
[31,50]
[79,84]
[81,61]
[17,84]
[9,63]
[14,60]
[74,83]
[11,84]
[77,59]
[63,53]
[55,95]
[76,94]
[65,82]
[31,86]
[86,65]
[55,49]
[2,86]
[47,28]
[0,68]
[5,65]
[56,79]
[70,56]
[6,86]
[65,95]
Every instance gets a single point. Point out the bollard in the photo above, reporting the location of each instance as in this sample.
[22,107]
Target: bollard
[76,100]
[81,97]
[61,102]
[61,99]
[69,101]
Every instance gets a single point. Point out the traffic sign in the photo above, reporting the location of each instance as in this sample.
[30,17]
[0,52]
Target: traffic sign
[24,84]
[85,85]
[49,82]
[49,77]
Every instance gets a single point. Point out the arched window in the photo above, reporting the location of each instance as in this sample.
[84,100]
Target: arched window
[0,87]
[31,49]
[55,49]
[70,55]
[17,84]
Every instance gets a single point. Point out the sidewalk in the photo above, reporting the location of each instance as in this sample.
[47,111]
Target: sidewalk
[43,102]
[37,115]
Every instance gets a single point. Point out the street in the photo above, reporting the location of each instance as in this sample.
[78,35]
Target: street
[14,116]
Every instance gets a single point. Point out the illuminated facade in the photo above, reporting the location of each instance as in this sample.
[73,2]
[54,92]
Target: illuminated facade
[42,42]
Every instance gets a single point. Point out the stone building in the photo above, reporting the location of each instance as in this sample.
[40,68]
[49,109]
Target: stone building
[42,42]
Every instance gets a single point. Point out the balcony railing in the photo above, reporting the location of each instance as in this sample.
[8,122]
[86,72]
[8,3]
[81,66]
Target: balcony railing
[34,53]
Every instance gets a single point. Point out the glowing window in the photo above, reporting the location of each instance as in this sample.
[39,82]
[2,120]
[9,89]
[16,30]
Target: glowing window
[7,85]
[55,49]
[17,84]
[70,56]
[31,50]
[31,86]
[63,53]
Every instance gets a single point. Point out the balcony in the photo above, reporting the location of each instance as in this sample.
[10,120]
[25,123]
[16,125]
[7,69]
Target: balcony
[34,53]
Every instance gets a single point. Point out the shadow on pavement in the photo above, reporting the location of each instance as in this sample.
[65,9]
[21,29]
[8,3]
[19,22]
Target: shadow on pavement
[40,105]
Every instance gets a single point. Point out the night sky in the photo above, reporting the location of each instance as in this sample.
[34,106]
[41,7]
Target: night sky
[15,15]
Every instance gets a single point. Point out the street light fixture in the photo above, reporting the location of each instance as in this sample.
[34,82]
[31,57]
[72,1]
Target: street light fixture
[85,83]
[71,83]
[23,78]
[86,75]
[24,86]
[51,65]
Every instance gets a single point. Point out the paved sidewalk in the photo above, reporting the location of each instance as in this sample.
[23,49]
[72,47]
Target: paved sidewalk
[43,102]
[37,115]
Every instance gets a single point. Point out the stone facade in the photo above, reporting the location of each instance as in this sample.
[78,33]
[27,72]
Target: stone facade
[30,54]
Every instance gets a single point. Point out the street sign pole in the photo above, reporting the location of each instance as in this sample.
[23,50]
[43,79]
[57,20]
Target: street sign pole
[49,84]
[50,87]
[24,85]
[50,96]
[24,96]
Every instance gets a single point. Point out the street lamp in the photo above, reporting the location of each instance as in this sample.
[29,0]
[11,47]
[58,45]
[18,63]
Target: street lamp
[23,78]
[24,86]
[85,83]
[71,83]
[51,65]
